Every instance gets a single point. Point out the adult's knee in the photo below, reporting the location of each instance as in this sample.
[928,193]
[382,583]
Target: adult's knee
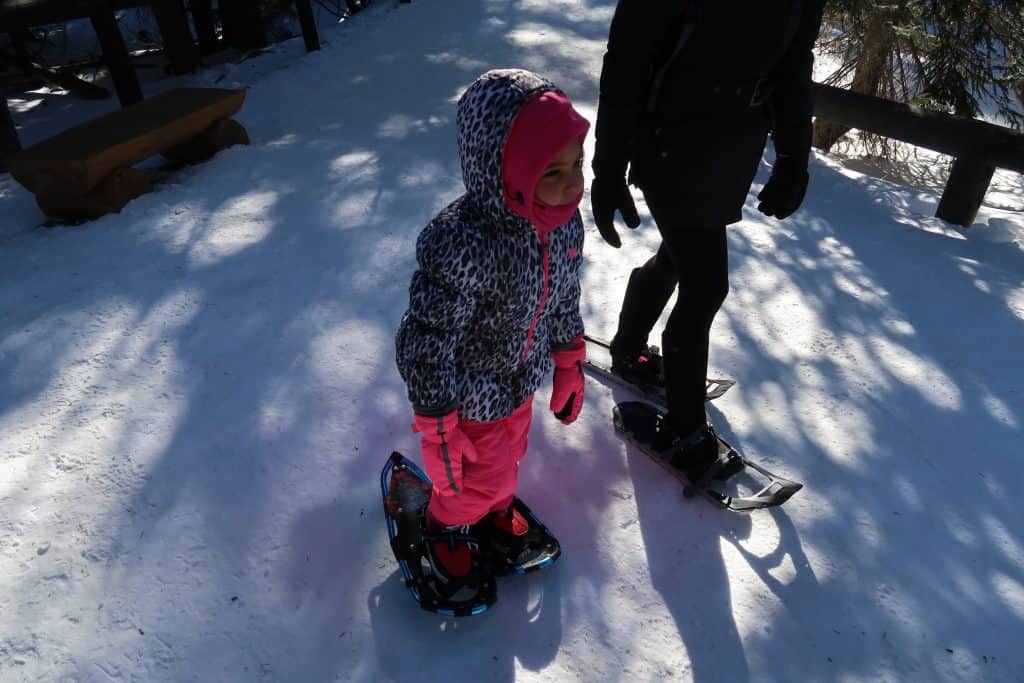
[718,290]
[656,275]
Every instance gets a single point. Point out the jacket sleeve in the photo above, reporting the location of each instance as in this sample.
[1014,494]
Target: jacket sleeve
[638,32]
[442,301]
[792,99]
[565,321]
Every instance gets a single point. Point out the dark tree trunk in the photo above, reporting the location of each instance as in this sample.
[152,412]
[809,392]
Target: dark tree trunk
[871,66]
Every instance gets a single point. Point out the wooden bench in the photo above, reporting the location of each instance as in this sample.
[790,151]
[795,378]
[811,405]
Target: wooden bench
[87,171]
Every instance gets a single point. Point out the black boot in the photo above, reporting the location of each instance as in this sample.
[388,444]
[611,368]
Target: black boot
[644,369]
[694,454]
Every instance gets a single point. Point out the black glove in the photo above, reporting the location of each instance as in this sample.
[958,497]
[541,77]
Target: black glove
[785,190]
[609,194]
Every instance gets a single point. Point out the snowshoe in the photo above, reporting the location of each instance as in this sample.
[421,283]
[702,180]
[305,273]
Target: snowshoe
[642,374]
[406,492]
[638,423]
[508,552]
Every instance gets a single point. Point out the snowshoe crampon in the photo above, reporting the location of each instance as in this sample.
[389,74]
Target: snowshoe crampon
[638,421]
[508,554]
[406,490]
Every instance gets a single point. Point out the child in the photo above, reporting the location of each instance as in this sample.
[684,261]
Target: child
[495,298]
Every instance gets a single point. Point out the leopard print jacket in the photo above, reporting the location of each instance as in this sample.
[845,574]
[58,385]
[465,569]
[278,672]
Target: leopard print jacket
[491,297]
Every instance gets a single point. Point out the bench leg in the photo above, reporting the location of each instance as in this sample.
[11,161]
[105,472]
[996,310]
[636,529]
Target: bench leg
[221,135]
[110,196]
[116,55]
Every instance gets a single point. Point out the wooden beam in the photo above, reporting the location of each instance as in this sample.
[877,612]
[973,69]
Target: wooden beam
[9,142]
[176,36]
[115,54]
[28,13]
[308,23]
[953,135]
[242,22]
[206,32]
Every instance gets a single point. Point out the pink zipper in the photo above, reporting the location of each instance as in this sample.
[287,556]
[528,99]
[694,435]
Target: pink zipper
[543,298]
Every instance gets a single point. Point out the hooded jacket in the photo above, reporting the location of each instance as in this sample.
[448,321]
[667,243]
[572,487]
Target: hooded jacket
[492,295]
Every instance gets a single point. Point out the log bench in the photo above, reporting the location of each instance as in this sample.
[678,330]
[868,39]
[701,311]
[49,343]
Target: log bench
[87,171]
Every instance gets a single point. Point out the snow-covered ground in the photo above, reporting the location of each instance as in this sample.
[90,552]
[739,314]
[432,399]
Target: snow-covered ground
[198,395]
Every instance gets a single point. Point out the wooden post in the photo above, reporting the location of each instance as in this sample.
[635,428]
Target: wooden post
[21,53]
[9,143]
[242,22]
[202,15]
[116,55]
[965,190]
[308,22]
[179,47]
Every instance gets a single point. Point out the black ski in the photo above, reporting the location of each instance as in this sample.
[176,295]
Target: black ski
[600,364]
[637,422]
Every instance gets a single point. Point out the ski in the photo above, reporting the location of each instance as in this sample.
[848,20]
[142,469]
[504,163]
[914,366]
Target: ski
[601,366]
[637,422]
[406,491]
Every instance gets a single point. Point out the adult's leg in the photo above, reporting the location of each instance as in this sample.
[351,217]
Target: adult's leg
[649,289]
[699,255]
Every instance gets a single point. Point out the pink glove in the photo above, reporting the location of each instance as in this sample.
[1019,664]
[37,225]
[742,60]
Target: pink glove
[444,447]
[567,393]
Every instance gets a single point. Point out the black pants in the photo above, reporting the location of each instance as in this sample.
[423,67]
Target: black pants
[696,259]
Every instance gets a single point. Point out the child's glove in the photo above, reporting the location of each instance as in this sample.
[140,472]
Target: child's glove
[444,447]
[567,393]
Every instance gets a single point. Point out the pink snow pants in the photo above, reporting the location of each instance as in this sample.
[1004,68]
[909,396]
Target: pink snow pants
[489,483]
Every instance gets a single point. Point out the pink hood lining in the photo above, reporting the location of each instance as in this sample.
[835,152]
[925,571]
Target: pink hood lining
[544,125]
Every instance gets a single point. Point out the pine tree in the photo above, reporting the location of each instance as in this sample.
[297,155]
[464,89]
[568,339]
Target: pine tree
[949,55]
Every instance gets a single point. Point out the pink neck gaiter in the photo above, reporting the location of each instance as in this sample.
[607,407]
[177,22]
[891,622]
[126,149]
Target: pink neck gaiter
[545,124]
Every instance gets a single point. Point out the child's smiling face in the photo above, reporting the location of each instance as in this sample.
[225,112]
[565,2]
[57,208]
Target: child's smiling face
[562,181]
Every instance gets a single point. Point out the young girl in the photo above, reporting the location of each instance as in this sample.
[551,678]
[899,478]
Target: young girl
[494,300]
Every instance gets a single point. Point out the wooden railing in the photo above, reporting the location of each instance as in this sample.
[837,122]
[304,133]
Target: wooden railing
[977,147]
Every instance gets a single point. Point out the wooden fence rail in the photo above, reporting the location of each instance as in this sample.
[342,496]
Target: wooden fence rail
[978,147]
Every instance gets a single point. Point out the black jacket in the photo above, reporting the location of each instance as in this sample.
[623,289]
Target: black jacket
[701,141]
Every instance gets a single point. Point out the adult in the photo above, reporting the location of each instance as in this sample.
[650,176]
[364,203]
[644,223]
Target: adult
[690,91]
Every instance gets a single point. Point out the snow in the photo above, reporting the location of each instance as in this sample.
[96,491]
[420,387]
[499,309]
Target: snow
[199,394]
